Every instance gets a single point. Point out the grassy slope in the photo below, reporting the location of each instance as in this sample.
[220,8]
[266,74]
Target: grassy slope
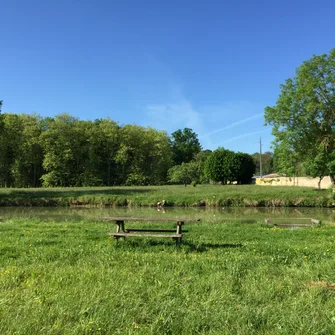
[70,278]
[209,195]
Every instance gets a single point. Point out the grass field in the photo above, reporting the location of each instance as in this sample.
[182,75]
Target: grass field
[201,195]
[71,278]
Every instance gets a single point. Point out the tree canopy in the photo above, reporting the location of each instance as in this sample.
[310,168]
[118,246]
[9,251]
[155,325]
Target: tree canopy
[185,145]
[267,162]
[64,151]
[303,118]
[226,166]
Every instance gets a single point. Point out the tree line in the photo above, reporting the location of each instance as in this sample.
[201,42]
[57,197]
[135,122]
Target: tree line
[64,151]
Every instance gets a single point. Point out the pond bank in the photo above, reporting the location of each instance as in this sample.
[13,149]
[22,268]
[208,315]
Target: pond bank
[173,195]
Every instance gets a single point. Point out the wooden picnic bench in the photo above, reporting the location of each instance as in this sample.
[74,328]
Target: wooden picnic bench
[122,232]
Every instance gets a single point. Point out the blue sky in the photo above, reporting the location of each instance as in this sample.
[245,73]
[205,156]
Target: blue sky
[208,65]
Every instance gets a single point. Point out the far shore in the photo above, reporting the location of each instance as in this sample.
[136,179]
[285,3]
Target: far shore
[172,195]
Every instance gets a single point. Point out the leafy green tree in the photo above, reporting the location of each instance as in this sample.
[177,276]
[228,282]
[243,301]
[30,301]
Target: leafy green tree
[184,173]
[200,158]
[286,161]
[144,156]
[220,166]
[27,168]
[267,162]
[185,145]
[303,118]
[226,166]
[105,142]
[245,168]
[11,137]
[315,167]
[2,145]
[65,146]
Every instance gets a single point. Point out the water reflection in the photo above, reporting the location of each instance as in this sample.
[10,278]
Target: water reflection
[240,214]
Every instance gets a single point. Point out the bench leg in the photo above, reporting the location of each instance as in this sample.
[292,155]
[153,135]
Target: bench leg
[119,227]
[179,231]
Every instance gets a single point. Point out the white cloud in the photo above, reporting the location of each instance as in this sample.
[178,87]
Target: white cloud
[173,116]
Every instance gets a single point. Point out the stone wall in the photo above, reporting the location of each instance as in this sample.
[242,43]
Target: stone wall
[294,181]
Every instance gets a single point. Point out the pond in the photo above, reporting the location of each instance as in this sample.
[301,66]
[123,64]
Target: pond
[290,216]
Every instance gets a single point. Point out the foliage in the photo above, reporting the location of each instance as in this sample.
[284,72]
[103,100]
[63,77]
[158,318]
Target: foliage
[64,151]
[225,166]
[65,145]
[246,168]
[21,153]
[185,145]
[303,117]
[145,153]
[286,161]
[267,162]
[218,166]
[201,158]
[184,173]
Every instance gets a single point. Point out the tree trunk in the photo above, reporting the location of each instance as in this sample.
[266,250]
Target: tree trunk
[332,179]
[319,182]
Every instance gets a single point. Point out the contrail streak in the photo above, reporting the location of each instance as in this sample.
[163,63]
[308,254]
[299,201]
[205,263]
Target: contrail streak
[234,124]
[244,135]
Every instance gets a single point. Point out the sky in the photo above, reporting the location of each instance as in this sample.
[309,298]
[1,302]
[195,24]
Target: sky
[212,66]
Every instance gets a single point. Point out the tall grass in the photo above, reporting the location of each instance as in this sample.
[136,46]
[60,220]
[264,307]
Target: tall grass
[202,195]
[71,278]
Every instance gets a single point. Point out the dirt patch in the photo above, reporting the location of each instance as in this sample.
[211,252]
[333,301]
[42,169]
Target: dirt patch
[323,284]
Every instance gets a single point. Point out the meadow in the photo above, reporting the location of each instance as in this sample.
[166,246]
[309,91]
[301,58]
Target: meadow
[175,195]
[226,278]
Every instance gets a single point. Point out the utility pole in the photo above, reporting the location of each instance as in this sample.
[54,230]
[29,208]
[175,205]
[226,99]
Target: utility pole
[260,158]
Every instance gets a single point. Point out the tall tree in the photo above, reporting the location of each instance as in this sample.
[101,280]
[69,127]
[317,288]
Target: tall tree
[144,155]
[185,145]
[226,166]
[220,166]
[65,145]
[267,162]
[2,144]
[184,173]
[200,158]
[27,169]
[303,118]
[245,168]
[105,142]
[11,139]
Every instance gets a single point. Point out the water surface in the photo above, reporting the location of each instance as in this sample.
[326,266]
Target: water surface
[243,215]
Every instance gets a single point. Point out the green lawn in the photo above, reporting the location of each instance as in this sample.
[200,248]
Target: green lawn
[175,195]
[71,278]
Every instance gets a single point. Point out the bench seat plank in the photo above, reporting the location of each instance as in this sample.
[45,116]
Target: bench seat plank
[145,235]
[154,230]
